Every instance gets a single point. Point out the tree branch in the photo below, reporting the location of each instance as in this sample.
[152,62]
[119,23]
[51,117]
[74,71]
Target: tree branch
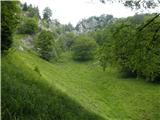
[149,22]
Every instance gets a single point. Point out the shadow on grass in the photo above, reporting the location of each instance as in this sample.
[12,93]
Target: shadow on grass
[26,96]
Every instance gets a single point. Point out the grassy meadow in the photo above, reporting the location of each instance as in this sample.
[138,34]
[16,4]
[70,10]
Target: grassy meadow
[67,90]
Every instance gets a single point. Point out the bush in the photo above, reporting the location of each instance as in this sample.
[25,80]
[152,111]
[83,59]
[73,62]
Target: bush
[45,45]
[83,48]
[28,26]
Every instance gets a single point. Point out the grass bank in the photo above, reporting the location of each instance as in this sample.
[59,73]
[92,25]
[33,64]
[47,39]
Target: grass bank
[83,90]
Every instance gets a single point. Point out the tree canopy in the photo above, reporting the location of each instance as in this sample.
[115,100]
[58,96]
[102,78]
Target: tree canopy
[136,4]
[133,50]
[9,20]
[47,14]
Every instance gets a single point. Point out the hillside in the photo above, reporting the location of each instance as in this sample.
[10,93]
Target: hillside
[104,68]
[35,89]
[26,95]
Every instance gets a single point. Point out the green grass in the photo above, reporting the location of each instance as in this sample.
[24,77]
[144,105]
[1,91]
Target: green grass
[27,96]
[100,93]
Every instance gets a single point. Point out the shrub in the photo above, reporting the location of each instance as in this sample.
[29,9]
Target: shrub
[45,45]
[83,48]
[28,26]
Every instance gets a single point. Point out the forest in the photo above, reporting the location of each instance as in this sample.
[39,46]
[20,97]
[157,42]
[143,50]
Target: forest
[104,68]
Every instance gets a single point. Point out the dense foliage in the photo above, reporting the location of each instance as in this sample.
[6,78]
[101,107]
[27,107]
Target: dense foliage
[45,45]
[83,48]
[47,14]
[28,26]
[133,50]
[9,21]
[33,12]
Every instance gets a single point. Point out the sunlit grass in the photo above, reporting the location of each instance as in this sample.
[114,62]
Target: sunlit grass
[27,96]
[104,93]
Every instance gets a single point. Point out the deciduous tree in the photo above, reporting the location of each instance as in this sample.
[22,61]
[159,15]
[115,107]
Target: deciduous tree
[9,20]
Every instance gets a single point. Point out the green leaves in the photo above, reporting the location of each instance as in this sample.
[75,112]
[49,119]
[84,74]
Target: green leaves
[28,26]
[9,20]
[83,48]
[45,45]
[138,51]
[47,14]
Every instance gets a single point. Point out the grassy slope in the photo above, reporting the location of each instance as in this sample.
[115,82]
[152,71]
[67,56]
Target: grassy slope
[103,93]
[27,96]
